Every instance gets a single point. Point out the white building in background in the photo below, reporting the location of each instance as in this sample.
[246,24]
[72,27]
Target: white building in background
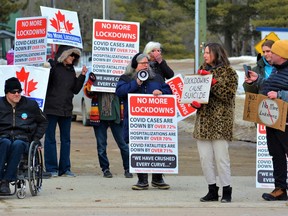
[282,33]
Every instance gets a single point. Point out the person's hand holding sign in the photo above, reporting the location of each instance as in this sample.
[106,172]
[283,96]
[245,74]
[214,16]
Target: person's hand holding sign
[204,72]
[195,104]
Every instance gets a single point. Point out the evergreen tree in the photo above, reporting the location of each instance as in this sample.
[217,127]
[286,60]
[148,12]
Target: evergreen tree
[8,7]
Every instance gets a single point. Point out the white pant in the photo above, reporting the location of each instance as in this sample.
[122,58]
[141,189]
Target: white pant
[211,152]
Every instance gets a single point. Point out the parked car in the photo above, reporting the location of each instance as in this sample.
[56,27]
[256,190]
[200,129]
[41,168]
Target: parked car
[81,103]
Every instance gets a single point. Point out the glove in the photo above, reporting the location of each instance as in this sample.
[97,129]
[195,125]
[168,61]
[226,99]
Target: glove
[195,105]
[204,72]
[92,78]
[214,81]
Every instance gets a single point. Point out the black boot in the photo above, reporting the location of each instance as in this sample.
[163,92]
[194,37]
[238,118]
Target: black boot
[4,187]
[212,194]
[227,192]
[142,183]
[157,181]
[276,194]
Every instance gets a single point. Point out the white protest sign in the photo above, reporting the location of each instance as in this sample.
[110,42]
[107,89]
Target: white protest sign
[153,135]
[63,27]
[264,163]
[114,45]
[34,81]
[30,41]
[196,88]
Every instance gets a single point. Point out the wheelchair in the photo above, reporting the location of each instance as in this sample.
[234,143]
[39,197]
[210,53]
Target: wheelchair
[30,170]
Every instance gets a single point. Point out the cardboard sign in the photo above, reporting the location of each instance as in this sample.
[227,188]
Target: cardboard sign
[260,109]
[196,88]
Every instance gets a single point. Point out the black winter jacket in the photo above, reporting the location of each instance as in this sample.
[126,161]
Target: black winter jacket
[26,120]
[162,69]
[63,84]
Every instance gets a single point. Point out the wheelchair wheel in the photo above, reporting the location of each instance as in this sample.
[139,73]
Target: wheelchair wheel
[35,168]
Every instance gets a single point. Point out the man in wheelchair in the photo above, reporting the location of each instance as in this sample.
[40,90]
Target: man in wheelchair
[21,122]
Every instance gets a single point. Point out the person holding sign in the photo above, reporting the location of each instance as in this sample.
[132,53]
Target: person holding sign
[156,61]
[129,82]
[275,86]
[264,64]
[214,122]
[62,86]
[107,111]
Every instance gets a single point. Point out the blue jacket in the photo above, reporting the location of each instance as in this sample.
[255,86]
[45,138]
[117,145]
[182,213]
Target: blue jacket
[127,84]
[277,81]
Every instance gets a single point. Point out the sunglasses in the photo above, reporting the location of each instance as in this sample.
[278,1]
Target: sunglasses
[15,91]
[74,55]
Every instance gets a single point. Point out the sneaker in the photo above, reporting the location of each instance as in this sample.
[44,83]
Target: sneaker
[4,188]
[107,174]
[46,175]
[127,174]
[140,186]
[68,173]
[276,194]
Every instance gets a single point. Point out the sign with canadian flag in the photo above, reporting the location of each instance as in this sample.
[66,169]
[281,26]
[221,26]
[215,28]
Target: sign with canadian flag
[34,81]
[30,41]
[63,27]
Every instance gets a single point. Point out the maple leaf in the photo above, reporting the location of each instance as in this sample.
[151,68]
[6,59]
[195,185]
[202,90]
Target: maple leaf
[22,75]
[54,24]
[69,27]
[31,87]
[60,17]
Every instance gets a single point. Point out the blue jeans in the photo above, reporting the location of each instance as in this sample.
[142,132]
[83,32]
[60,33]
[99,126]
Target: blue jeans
[101,137]
[11,153]
[50,147]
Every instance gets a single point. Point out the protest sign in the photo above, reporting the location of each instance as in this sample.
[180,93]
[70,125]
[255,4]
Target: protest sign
[34,81]
[183,110]
[196,88]
[63,27]
[153,144]
[264,163]
[260,109]
[114,45]
[30,41]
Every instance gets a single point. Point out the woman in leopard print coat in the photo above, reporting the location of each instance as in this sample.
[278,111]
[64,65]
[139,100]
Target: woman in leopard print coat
[214,122]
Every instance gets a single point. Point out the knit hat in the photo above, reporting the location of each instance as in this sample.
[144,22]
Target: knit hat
[280,48]
[11,84]
[134,62]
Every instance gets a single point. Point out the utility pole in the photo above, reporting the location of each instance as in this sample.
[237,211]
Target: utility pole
[106,11]
[200,31]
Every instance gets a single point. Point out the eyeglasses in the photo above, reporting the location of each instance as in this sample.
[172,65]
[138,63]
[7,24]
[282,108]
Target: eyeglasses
[143,63]
[14,91]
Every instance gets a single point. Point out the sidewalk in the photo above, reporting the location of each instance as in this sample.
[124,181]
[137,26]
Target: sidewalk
[95,195]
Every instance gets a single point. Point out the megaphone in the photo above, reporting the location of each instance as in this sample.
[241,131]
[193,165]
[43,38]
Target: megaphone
[143,75]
